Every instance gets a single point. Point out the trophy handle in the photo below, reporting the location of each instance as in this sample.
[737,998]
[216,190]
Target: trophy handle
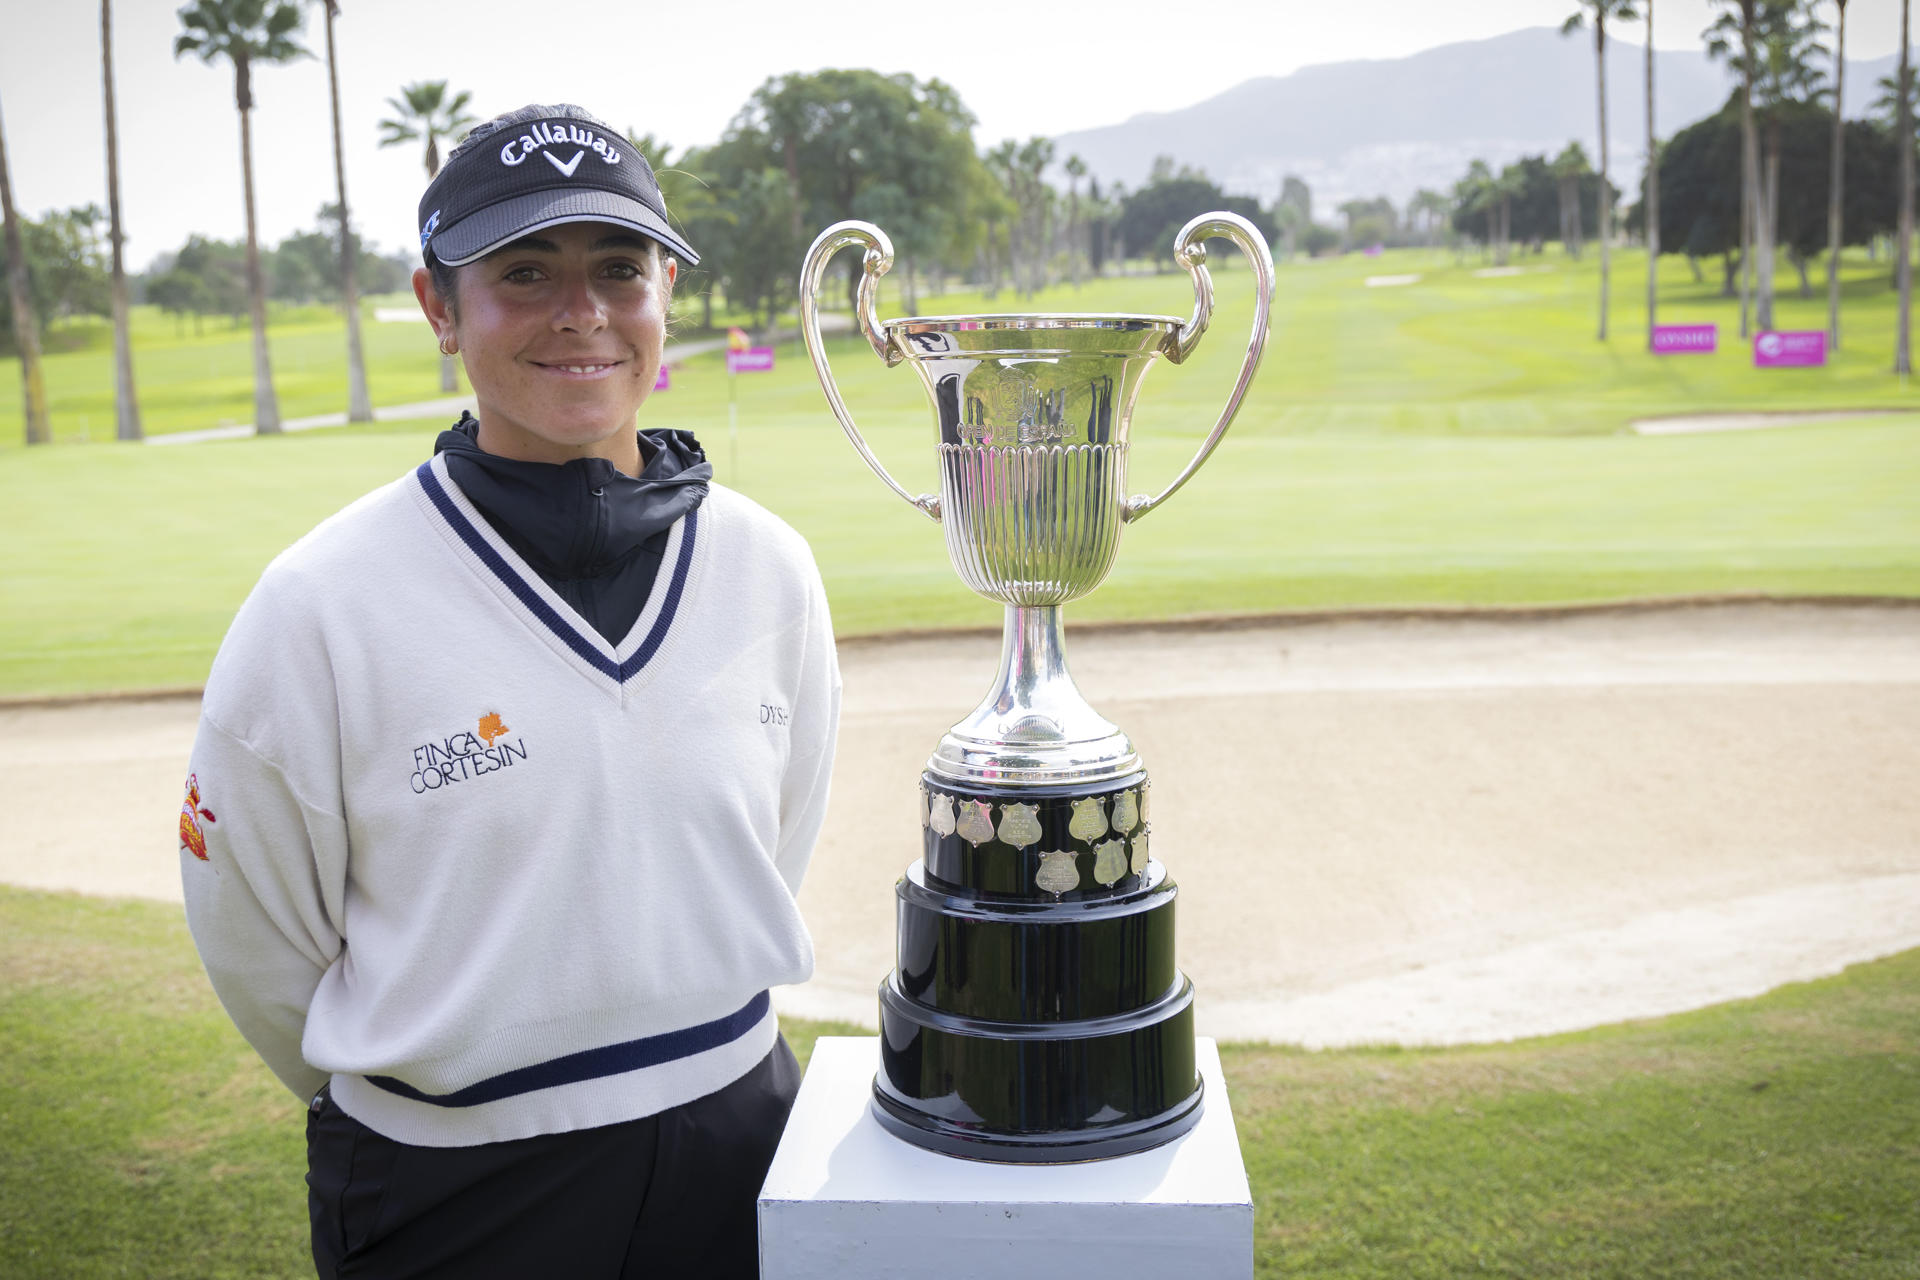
[1190,251]
[878,261]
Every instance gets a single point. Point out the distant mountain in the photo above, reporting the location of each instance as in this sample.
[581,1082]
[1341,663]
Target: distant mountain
[1390,127]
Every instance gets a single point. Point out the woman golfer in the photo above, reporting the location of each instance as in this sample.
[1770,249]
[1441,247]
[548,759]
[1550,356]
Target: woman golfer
[507,775]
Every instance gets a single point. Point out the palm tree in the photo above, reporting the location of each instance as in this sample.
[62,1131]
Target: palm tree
[1720,45]
[1076,170]
[1571,168]
[26,329]
[1834,183]
[1431,208]
[126,409]
[423,110]
[1903,138]
[359,403]
[1601,11]
[1474,193]
[1652,197]
[1511,182]
[1789,49]
[245,32]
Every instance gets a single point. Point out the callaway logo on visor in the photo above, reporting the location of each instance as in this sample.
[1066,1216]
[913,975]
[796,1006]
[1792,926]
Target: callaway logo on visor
[564,137]
[492,190]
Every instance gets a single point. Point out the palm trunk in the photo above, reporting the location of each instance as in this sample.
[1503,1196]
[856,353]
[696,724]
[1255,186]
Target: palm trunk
[1652,197]
[1903,130]
[1606,205]
[1749,170]
[1767,219]
[1834,187]
[359,404]
[26,329]
[126,409]
[266,406]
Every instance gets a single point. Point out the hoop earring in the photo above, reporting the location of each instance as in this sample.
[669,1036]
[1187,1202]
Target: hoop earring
[449,346]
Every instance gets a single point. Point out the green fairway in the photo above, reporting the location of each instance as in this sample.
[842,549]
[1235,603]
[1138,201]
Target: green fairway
[1456,441]
[1775,1137]
[1456,352]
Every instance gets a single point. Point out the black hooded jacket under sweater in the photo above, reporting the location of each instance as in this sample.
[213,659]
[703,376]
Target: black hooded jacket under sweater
[593,533]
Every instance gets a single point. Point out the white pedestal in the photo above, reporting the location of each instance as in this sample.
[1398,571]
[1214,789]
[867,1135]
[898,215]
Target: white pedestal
[845,1200]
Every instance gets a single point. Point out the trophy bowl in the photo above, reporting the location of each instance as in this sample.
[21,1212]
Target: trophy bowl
[1035,1013]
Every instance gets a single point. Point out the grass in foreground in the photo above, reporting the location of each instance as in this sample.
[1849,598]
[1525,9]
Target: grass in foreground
[1776,1137]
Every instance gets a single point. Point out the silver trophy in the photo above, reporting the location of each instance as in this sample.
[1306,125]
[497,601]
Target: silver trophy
[1035,1013]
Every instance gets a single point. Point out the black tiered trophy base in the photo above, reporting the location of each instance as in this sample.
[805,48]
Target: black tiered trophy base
[1036,1014]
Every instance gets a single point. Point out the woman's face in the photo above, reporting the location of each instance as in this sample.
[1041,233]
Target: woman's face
[561,334]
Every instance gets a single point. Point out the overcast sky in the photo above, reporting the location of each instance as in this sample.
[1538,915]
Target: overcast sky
[678,71]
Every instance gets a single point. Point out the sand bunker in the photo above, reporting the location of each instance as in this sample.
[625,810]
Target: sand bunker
[1413,830]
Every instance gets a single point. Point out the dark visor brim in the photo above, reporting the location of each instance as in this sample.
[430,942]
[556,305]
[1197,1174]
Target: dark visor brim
[484,230]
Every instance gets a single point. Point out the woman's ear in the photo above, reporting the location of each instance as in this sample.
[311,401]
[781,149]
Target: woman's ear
[439,314]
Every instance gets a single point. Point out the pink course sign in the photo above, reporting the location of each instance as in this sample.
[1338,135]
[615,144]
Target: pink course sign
[751,360]
[661,381]
[1806,348]
[1685,339]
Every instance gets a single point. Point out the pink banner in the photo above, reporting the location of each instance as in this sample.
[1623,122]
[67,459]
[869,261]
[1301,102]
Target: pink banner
[1790,350]
[1685,339]
[752,360]
[661,381]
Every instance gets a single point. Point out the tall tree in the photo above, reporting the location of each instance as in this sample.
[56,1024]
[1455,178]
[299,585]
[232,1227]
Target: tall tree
[1475,194]
[246,32]
[126,408]
[1903,139]
[1430,207]
[1511,182]
[423,110]
[1076,170]
[1741,17]
[1788,77]
[1652,180]
[1601,11]
[359,403]
[26,326]
[1570,170]
[1837,184]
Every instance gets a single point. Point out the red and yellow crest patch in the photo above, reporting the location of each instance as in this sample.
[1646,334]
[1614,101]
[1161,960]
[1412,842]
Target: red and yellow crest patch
[192,838]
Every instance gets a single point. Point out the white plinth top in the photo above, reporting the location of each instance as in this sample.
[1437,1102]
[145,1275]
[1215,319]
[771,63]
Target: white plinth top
[845,1199]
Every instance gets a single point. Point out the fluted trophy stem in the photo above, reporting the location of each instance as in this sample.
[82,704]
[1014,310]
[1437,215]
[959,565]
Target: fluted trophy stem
[1034,727]
[1033,654]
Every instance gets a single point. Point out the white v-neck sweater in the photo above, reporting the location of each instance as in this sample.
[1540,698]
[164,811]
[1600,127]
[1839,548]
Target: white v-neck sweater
[489,874]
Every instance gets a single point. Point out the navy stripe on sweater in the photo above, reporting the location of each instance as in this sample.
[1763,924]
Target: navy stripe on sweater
[591,1064]
[570,635]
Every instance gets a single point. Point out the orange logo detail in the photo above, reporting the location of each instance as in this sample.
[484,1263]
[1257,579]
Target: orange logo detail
[192,838]
[492,726]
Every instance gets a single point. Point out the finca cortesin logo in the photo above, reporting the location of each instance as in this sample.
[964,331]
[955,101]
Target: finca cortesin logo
[193,837]
[470,753]
[543,135]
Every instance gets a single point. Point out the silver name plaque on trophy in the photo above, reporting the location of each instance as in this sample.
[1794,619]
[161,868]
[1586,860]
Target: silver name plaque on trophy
[1035,827]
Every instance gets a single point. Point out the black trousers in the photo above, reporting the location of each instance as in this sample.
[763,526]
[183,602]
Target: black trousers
[668,1195]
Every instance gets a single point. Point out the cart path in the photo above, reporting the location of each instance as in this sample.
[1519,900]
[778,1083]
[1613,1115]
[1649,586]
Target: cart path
[1413,830]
